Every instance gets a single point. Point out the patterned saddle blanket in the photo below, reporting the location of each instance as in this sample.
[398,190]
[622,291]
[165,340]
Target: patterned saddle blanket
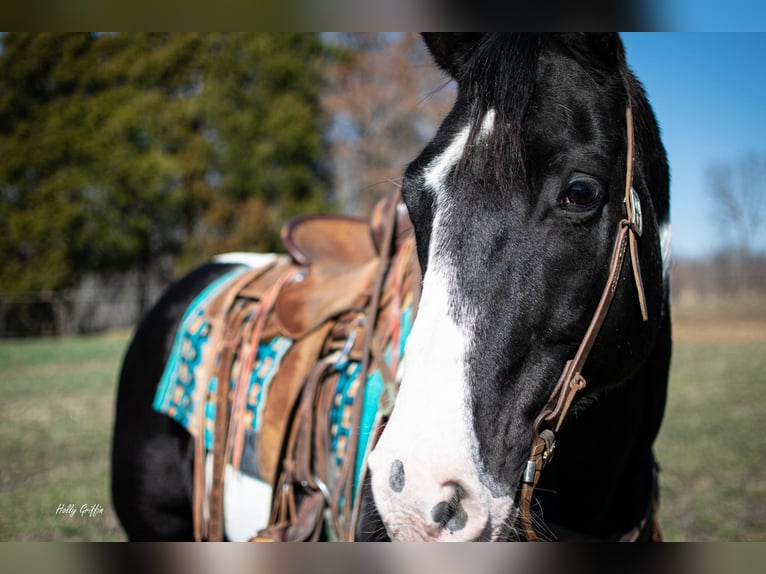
[184,391]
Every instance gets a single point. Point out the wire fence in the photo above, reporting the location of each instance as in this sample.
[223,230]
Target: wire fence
[96,304]
[100,303]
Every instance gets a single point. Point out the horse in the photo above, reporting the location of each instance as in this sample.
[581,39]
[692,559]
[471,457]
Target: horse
[533,334]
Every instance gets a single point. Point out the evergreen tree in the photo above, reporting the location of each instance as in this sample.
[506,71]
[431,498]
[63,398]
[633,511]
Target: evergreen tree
[262,105]
[118,150]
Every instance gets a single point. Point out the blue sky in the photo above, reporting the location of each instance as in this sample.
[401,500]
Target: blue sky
[709,94]
[710,15]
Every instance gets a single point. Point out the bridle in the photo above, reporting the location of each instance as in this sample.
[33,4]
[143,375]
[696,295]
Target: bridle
[550,419]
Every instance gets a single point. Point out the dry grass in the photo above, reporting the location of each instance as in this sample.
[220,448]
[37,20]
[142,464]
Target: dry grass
[730,331]
[713,441]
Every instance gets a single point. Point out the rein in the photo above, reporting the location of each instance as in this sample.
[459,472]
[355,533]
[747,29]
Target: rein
[550,419]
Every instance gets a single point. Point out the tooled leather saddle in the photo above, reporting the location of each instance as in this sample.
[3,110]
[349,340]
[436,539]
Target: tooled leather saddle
[339,296]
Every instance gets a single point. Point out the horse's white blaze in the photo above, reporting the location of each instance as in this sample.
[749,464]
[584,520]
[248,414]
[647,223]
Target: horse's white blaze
[488,124]
[437,171]
[431,428]
[665,248]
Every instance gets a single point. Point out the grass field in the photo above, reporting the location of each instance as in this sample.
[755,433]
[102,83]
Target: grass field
[58,401]
[55,433]
[712,446]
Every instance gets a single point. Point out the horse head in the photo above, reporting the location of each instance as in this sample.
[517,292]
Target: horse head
[516,204]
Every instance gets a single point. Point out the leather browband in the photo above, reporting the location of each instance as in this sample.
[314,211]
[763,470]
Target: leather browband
[550,419]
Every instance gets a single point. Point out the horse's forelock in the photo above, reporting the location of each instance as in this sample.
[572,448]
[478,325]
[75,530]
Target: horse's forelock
[485,87]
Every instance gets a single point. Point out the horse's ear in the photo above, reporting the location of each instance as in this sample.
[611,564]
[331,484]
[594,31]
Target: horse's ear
[450,50]
[602,50]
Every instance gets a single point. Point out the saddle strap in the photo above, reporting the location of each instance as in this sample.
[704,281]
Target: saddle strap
[236,433]
[343,494]
[304,481]
[222,417]
[216,317]
[299,499]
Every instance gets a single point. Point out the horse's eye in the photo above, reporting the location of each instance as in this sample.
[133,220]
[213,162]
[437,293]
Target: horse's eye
[580,194]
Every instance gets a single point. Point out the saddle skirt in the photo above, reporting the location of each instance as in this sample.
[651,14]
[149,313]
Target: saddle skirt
[310,345]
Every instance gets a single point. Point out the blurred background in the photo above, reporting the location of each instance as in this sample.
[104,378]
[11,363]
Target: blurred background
[128,159]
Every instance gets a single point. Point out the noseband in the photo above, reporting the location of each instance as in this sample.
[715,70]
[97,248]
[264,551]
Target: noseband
[549,421]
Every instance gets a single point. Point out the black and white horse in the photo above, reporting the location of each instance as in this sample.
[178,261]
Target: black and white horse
[515,203]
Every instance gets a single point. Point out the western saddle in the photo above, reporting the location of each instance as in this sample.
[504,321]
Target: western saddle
[337,296]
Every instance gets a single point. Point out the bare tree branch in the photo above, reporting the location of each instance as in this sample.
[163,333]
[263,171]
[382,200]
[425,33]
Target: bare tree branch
[384,104]
[738,190]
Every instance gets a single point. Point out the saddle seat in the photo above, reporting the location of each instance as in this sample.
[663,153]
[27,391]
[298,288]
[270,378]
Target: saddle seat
[317,239]
[341,239]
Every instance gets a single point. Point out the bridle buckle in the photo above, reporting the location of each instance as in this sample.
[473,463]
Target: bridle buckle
[634,213]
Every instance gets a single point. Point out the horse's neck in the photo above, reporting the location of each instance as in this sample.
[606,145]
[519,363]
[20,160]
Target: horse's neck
[599,482]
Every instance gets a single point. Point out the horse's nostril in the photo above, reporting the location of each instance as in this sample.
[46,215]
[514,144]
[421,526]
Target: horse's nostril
[450,514]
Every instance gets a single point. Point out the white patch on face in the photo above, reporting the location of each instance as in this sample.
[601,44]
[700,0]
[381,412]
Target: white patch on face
[437,171]
[430,431]
[488,124]
[665,248]
[435,175]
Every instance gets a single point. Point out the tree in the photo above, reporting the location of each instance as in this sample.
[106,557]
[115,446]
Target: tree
[94,130]
[385,100]
[118,151]
[738,191]
[261,106]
